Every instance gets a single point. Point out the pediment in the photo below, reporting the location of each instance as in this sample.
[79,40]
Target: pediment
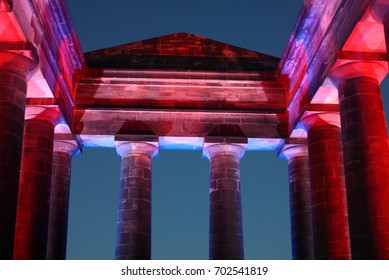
[181,51]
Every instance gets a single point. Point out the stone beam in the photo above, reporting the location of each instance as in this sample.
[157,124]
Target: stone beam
[320,33]
[183,123]
[48,27]
[175,89]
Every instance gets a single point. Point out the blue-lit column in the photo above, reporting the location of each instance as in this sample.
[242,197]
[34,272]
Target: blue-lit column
[133,231]
[59,198]
[300,201]
[225,220]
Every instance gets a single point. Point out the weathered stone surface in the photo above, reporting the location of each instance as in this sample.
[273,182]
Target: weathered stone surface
[226,233]
[321,31]
[184,87]
[180,123]
[34,190]
[366,158]
[59,198]
[300,201]
[14,71]
[181,51]
[329,201]
[133,231]
[175,92]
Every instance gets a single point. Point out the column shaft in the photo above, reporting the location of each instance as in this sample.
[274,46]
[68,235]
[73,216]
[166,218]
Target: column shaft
[300,201]
[366,159]
[13,87]
[34,190]
[59,199]
[329,203]
[133,232]
[226,234]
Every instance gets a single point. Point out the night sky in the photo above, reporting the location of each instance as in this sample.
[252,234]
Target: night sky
[181,178]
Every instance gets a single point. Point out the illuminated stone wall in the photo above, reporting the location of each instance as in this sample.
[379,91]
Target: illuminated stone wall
[319,106]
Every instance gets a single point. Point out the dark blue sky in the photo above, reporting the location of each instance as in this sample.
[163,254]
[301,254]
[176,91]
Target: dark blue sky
[180,178]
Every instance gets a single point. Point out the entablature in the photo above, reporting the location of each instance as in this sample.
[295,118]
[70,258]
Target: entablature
[202,90]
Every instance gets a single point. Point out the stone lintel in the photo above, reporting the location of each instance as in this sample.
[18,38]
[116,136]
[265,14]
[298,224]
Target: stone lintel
[302,62]
[49,28]
[180,93]
[182,123]
[57,33]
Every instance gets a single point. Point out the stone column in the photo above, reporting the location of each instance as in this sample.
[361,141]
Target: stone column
[59,198]
[14,72]
[329,204]
[300,201]
[133,232]
[366,157]
[35,181]
[225,222]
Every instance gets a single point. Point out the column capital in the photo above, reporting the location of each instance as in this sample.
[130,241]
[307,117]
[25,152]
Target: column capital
[294,150]
[212,149]
[48,113]
[125,148]
[69,147]
[311,119]
[346,70]
[17,62]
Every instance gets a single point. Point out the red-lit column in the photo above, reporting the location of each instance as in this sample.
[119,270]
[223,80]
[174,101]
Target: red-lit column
[59,198]
[300,201]
[225,222]
[133,231]
[366,157]
[329,204]
[35,180]
[14,72]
